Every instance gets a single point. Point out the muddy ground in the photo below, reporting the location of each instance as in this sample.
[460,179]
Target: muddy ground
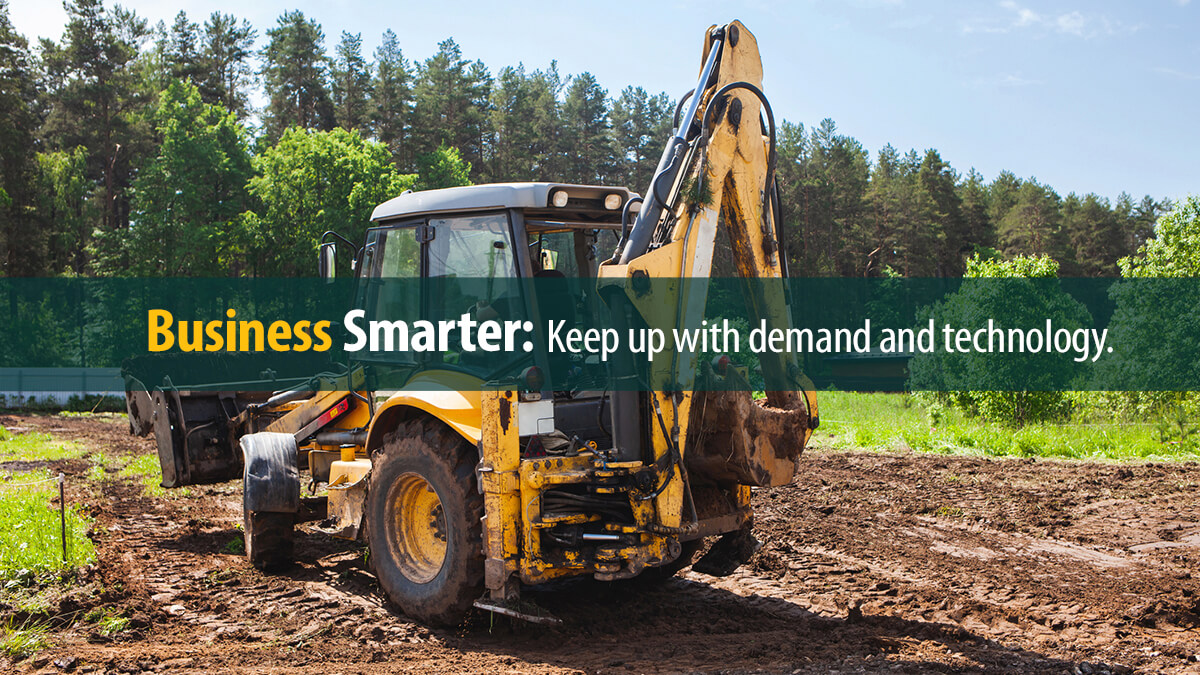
[870,563]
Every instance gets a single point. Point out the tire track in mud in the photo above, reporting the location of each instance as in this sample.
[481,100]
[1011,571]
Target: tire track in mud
[214,609]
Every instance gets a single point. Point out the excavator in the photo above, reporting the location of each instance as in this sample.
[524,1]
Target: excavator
[467,489]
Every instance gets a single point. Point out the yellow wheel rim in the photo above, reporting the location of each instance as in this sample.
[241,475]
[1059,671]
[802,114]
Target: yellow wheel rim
[419,544]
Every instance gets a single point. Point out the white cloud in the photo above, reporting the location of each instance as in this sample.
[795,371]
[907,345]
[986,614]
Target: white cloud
[1007,80]
[1025,16]
[911,22]
[1179,74]
[1074,23]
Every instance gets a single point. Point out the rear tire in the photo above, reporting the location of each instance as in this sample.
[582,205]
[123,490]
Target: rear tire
[268,538]
[424,524]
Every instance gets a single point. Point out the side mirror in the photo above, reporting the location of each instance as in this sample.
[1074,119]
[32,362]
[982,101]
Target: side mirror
[326,259]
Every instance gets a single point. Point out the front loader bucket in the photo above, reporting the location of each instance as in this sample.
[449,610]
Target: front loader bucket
[193,436]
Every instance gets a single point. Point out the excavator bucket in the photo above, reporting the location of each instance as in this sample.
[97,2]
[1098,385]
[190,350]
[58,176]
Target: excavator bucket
[747,442]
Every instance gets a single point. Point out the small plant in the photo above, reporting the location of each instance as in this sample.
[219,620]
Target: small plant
[220,577]
[108,622]
[936,411]
[236,546]
[19,643]
[697,194]
[1174,425]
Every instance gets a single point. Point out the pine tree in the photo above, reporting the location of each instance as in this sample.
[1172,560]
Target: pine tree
[885,206]
[296,75]
[980,230]
[919,237]
[181,51]
[93,100]
[524,125]
[1033,225]
[792,151]
[1095,235]
[589,152]
[938,181]
[451,102]
[351,84]
[20,234]
[227,48]
[641,124]
[1140,220]
[834,181]
[391,108]
[1002,196]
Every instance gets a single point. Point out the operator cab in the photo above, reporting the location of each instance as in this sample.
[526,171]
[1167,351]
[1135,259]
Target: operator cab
[472,247]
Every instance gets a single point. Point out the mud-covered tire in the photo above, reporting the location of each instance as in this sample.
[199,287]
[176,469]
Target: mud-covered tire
[268,538]
[429,451]
[660,574]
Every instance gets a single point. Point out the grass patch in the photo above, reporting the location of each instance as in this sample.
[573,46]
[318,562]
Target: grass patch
[236,546]
[893,422]
[146,470]
[19,643]
[31,532]
[35,446]
[107,621]
[109,417]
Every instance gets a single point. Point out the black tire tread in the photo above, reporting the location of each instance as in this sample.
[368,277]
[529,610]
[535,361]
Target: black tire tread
[268,540]
[464,583]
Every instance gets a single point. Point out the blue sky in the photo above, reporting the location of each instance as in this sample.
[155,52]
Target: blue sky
[1086,95]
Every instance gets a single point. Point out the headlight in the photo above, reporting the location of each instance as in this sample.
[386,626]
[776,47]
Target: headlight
[612,202]
[559,198]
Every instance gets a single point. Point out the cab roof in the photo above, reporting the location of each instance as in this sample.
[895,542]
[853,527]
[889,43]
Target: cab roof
[584,202]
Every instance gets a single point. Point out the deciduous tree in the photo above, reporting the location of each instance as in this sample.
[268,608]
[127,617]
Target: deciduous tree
[189,195]
[311,182]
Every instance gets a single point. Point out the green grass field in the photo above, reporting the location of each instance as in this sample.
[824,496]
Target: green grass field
[31,542]
[35,446]
[891,422]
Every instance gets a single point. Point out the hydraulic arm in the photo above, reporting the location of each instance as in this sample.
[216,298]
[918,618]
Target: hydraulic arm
[718,165]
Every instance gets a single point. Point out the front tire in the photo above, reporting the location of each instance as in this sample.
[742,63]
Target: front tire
[268,538]
[424,524]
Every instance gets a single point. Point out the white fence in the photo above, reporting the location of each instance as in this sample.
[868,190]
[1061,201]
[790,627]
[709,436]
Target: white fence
[18,385]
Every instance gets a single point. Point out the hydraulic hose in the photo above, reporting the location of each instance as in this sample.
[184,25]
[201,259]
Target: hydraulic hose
[769,180]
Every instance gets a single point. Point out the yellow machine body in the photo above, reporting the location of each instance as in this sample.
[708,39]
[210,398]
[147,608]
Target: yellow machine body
[734,172]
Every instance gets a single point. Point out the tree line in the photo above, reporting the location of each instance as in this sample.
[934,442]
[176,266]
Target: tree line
[131,149]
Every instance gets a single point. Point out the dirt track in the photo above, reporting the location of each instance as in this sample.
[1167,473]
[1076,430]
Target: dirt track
[875,563]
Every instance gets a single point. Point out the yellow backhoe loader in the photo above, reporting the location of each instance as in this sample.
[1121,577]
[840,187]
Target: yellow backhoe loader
[466,489]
